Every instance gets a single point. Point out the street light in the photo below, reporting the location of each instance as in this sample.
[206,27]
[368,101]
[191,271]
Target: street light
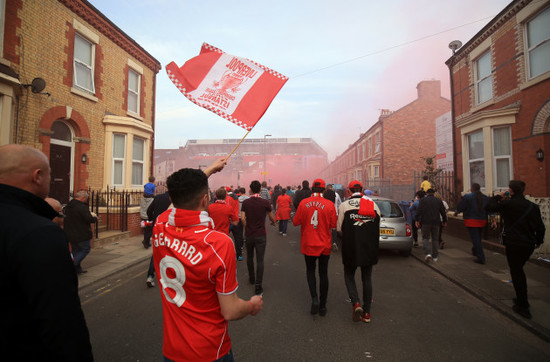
[265,152]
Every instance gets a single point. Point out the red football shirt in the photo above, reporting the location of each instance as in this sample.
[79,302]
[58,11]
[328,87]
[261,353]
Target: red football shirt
[193,264]
[317,216]
[222,213]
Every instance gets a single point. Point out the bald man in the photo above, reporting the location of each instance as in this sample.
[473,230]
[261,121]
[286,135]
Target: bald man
[56,205]
[42,319]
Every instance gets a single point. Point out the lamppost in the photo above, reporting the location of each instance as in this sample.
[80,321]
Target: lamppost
[201,166]
[265,152]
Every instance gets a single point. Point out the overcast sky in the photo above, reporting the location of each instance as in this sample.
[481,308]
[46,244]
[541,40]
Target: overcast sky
[346,59]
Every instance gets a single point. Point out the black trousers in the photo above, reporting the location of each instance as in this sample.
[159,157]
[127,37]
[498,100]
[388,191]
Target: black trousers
[517,256]
[323,277]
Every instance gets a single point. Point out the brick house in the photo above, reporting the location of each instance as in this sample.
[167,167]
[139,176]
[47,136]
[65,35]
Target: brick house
[75,86]
[392,149]
[500,89]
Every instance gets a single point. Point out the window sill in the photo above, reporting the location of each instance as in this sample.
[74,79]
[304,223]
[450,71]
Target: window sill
[488,103]
[84,94]
[135,115]
[536,80]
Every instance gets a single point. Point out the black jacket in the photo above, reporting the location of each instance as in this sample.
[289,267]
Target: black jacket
[429,210]
[300,195]
[529,229]
[159,205]
[40,314]
[77,222]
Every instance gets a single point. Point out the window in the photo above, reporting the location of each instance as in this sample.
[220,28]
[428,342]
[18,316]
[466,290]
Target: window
[377,142]
[370,146]
[502,153]
[538,43]
[84,55]
[476,160]
[138,157]
[119,148]
[484,78]
[364,150]
[134,80]
[376,171]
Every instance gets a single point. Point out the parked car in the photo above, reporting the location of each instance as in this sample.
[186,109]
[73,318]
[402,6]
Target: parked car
[395,232]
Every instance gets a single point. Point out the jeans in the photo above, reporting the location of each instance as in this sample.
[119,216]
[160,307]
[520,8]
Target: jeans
[227,358]
[238,238]
[366,279]
[258,243]
[323,277]
[517,255]
[430,230]
[475,234]
[283,224]
[151,270]
[80,251]
[147,233]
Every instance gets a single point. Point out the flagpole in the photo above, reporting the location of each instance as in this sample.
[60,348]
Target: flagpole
[242,139]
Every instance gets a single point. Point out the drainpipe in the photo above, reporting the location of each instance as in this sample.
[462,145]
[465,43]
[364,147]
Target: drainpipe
[453,135]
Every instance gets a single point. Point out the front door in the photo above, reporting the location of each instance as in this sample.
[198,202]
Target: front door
[60,163]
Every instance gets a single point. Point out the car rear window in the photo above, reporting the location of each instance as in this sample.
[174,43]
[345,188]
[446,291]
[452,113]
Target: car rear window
[389,208]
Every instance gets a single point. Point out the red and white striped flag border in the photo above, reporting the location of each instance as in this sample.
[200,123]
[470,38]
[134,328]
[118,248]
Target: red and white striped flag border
[237,89]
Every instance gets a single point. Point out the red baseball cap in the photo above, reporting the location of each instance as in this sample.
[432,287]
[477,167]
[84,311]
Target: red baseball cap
[355,185]
[319,183]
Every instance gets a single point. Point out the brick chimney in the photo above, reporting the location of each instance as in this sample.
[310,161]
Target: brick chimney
[429,89]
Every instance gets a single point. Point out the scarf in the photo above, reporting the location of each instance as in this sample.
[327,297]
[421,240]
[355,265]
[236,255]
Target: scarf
[181,218]
[366,207]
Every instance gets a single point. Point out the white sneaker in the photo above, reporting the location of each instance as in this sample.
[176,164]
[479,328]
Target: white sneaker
[150,281]
[284,234]
[434,259]
[428,257]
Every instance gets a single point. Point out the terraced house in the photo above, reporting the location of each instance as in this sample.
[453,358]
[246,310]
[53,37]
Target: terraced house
[75,86]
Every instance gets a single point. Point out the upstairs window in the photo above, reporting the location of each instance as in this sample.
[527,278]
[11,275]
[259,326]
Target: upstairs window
[370,146]
[538,43]
[484,78]
[134,79]
[377,142]
[84,56]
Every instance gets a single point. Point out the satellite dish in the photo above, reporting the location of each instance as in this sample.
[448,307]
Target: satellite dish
[454,45]
[38,85]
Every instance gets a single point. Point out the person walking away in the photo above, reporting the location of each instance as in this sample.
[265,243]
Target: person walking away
[277,191]
[196,270]
[264,192]
[160,204]
[331,195]
[41,315]
[441,242]
[413,208]
[148,195]
[523,232]
[78,219]
[239,229]
[359,226]
[222,213]
[253,215]
[301,194]
[284,207]
[428,218]
[473,209]
[425,185]
[316,216]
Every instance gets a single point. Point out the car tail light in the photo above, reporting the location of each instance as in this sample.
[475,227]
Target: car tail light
[409,232]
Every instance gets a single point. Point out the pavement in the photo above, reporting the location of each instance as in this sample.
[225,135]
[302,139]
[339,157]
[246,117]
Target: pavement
[490,282]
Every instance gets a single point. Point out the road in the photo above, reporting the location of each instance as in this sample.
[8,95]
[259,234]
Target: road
[417,315]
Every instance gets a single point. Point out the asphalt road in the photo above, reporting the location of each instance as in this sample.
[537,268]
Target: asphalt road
[417,315]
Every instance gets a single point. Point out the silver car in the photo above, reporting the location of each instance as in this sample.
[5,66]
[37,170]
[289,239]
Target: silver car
[395,232]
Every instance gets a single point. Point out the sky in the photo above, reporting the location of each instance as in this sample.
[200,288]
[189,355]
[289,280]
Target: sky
[346,60]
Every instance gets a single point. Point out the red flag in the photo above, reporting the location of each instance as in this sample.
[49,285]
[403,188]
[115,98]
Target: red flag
[234,88]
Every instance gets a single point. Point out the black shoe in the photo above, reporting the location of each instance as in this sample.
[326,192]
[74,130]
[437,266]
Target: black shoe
[441,244]
[79,270]
[315,306]
[524,312]
[323,311]
[146,244]
[476,260]
[258,290]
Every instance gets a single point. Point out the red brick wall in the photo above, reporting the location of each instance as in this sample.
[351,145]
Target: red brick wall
[134,221]
[409,134]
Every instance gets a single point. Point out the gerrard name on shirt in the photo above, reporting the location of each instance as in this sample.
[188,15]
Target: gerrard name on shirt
[179,246]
